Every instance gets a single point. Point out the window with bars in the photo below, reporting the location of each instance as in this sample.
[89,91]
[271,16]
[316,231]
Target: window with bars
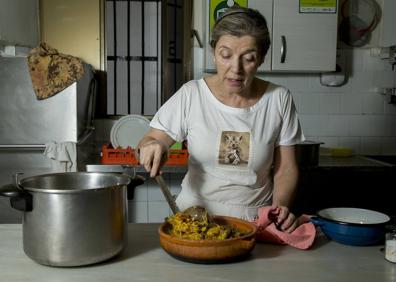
[146,54]
[133,38]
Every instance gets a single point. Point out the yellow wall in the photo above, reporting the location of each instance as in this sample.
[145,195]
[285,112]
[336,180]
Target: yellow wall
[73,27]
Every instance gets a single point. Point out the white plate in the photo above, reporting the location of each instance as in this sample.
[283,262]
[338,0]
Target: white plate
[128,131]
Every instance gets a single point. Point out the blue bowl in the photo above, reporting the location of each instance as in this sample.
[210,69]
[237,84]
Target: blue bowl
[352,226]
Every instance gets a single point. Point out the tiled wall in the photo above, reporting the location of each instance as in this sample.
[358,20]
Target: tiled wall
[354,115]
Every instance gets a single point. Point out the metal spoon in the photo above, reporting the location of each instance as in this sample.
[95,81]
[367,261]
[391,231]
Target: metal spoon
[168,196]
[197,213]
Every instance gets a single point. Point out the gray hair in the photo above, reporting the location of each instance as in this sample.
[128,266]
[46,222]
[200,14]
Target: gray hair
[239,21]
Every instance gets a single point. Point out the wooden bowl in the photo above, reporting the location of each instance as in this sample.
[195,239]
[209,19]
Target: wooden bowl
[211,251]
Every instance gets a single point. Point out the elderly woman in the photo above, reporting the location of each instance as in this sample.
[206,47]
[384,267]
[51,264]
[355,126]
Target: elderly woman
[240,130]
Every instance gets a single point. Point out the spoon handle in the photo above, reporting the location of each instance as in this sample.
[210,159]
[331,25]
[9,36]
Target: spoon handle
[168,196]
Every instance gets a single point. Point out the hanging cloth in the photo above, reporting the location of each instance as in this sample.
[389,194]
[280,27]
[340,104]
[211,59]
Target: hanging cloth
[51,71]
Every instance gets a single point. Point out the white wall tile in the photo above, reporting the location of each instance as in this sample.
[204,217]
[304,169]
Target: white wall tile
[362,81]
[314,125]
[309,103]
[355,59]
[383,79]
[336,126]
[367,125]
[370,145]
[329,103]
[373,103]
[388,146]
[329,142]
[373,63]
[154,192]
[350,103]
[138,212]
[158,211]
[295,82]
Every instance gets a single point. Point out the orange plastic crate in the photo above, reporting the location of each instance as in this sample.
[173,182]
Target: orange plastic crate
[127,156]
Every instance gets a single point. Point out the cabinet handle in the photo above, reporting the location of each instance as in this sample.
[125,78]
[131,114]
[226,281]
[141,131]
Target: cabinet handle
[283,49]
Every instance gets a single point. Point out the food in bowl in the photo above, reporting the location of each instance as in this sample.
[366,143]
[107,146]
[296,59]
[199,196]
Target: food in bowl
[211,251]
[186,227]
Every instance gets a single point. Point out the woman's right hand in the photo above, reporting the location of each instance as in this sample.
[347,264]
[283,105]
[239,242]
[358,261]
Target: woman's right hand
[152,154]
[152,150]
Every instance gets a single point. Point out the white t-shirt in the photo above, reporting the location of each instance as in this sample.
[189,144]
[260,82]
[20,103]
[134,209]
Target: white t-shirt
[231,149]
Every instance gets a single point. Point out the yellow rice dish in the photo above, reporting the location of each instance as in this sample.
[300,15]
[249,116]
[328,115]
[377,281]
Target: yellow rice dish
[184,226]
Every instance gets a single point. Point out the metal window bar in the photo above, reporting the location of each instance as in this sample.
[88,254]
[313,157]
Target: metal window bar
[116,57]
[129,54]
[142,103]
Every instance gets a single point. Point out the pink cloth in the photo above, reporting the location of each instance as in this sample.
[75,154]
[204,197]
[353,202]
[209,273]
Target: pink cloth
[302,237]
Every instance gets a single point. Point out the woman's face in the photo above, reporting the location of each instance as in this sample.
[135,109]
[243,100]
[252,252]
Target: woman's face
[236,60]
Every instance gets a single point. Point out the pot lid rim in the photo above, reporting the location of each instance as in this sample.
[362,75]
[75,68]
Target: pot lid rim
[124,181]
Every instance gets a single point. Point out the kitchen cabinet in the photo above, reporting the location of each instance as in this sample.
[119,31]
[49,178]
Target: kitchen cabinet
[303,40]
[387,24]
[19,22]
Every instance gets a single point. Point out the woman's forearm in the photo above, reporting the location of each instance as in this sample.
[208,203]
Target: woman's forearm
[285,186]
[285,176]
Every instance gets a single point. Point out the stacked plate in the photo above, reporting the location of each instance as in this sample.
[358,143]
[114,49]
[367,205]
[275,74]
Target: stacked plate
[128,131]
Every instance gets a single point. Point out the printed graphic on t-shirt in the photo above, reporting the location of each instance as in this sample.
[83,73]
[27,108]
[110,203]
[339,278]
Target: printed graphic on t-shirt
[234,148]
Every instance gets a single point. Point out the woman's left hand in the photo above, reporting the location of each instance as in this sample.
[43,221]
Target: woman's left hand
[284,219]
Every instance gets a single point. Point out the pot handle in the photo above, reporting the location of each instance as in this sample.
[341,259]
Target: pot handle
[317,221]
[19,199]
[135,181]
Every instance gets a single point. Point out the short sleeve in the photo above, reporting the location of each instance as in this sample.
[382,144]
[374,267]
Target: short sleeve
[172,116]
[291,132]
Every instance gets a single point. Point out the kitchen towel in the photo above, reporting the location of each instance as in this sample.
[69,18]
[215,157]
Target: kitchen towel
[302,237]
[62,155]
[51,71]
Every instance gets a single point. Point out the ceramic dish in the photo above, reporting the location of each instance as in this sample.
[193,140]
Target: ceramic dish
[211,251]
[128,131]
[352,226]
[354,216]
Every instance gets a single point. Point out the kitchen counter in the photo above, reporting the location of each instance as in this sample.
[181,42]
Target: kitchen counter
[144,260]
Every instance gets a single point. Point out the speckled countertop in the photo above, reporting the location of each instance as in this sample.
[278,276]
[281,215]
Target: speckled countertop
[145,260]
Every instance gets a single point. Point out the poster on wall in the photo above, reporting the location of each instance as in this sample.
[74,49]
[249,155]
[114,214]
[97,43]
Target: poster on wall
[218,7]
[318,6]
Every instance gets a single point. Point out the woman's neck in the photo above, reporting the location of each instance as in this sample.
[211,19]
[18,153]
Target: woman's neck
[244,99]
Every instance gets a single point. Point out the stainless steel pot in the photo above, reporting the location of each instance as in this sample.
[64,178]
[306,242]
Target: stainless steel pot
[71,219]
[307,153]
